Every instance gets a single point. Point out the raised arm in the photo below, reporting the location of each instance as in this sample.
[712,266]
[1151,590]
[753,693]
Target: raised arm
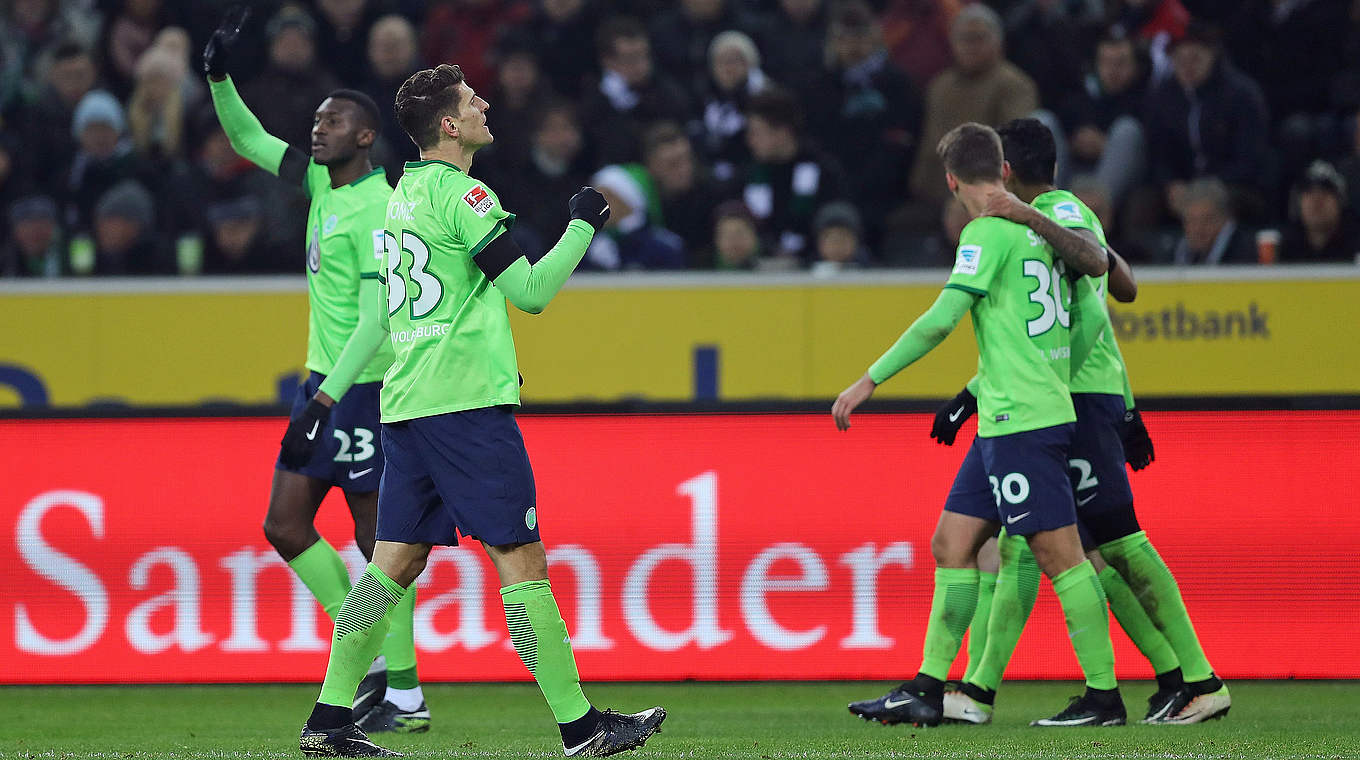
[1078,248]
[927,332]
[530,287]
[247,136]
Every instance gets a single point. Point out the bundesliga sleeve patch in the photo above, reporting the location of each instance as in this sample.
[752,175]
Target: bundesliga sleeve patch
[479,200]
[1067,211]
[966,262]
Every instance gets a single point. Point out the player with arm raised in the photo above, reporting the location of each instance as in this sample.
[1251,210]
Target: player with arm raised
[1015,474]
[1143,595]
[456,462]
[331,439]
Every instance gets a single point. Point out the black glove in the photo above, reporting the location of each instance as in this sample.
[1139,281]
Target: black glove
[219,44]
[303,435]
[590,206]
[950,417]
[1137,443]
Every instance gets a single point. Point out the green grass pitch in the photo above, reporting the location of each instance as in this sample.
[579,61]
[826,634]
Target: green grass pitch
[740,720]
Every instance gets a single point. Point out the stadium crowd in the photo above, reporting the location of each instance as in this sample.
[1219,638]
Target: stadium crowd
[726,134]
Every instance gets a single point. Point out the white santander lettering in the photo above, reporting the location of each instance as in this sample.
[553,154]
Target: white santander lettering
[62,570]
[756,584]
[187,632]
[865,562]
[471,632]
[587,633]
[702,557]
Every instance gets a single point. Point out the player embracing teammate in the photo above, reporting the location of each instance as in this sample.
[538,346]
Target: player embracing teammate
[1010,477]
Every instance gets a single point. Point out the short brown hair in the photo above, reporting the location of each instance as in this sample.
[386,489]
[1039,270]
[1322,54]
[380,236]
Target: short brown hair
[424,98]
[660,134]
[971,152]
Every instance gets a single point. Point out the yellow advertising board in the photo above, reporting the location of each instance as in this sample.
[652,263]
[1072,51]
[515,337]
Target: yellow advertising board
[680,338]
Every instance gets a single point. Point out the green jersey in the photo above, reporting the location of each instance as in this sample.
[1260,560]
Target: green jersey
[344,245]
[1103,369]
[449,325]
[1021,324]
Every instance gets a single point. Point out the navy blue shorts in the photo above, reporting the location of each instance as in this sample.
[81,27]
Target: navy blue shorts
[462,473]
[971,494]
[351,454]
[1027,473]
[1096,468]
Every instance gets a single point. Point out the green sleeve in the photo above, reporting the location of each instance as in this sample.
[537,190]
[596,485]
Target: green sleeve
[247,136]
[972,385]
[927,332]
[364,342]
[531,286]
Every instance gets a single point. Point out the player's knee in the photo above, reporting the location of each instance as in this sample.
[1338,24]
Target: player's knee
[288,538]
[948,551]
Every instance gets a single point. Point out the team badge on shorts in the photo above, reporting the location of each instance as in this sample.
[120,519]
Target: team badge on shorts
[530,518]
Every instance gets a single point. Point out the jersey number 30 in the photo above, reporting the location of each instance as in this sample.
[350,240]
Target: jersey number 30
[1049,295]
[429,291]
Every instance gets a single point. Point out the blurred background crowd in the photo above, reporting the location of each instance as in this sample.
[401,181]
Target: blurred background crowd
[727,134]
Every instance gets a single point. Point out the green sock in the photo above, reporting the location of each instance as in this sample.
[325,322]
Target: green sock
[1017,586]
[1152,583]
[977,630]
[956,594]
[1088,623]
[400,645]
[540,637]
[1136,623]
[360,628]
[324,574]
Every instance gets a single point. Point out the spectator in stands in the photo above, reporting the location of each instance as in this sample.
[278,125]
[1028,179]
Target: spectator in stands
[342,32]
[734,77]
[464,31]
[736,243]
[786,180]
[555,170]
[156,109]
[128,33]
[71,74]
[285,95]
[1322,230]
[840,234]
[124,232]
[1212,234]
[1155,22]
[237,243]
[392,57]
[29,30]
[1209,119]
[917,35]
[633,237]
[33,247]
[103,159]
[799,29]
[1047,37]
[980,86]
[517,94]
[1349,164]
[681,38]
[683,187]
[631,94]
[1102,118]
[565,33]
[869,114]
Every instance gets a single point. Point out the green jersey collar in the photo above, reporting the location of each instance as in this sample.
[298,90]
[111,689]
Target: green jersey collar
[375,171]
[417,164]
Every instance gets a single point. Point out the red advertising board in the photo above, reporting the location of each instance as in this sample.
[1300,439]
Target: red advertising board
[710,547]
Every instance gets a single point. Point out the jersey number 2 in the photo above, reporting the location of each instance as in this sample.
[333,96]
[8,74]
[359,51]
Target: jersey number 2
[429,290]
